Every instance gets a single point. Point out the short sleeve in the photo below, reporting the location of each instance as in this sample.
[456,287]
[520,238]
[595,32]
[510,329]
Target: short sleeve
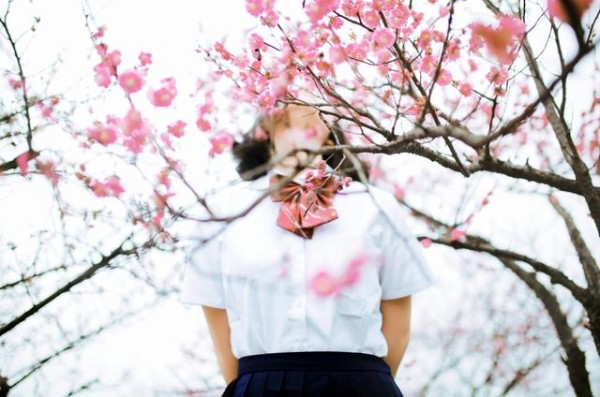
[404,269]
[202,276]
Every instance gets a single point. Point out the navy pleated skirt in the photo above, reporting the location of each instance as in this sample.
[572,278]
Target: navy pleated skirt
[313,374]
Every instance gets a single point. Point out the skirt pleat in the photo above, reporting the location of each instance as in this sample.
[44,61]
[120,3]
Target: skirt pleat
[274,383]
[313,374]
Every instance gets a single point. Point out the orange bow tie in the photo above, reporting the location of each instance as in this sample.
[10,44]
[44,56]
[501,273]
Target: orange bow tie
[307,205]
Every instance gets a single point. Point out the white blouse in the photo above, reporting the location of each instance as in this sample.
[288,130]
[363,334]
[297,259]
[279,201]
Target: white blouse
[265,276]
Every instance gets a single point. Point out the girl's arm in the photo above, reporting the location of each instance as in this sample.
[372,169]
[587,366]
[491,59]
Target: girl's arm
[396,329]
[218,327]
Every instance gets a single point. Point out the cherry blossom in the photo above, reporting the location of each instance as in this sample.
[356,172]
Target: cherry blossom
[426,242]
[103,75]
[383,38]
[398,191]
[163,96]
[112,59]
[219,143]
[104,134]
[258,7]
[497,76]
[15,84]
[177,129]
[111,187]
[502,41]
[47,168]
[23,162]
[465,89]
[456,234]
[135,130]
[145,58]
[317,9]
[323,284]
[131,81]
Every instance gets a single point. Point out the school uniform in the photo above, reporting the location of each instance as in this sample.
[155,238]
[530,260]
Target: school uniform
[292,335]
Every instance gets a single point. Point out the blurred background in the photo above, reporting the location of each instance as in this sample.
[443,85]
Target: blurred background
[91,265]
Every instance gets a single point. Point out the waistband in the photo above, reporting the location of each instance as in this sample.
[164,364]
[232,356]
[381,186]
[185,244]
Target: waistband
[312,361]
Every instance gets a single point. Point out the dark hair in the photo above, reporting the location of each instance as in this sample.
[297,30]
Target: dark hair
[253,152]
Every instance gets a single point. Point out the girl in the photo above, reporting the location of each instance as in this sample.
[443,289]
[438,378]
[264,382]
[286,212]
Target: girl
[309,292]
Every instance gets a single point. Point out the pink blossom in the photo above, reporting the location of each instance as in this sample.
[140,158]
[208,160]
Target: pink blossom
[164,96]
[370,18]
[336,22]
[556,8]
[266,99]
[112,186]
[101,49]
[47,168]
[384,5]
[304,40]
[46,111]
[241,61]
[220,48]
[383,38]
[136,141]
[317,9]
[453,50]
[472,65]
[219,143]
[465,89]
[501,42]
[203,124]
[135,130]
[429,64]
[163,177]
[444,78]
[112,59]
[336,54]
[23,162]
[349,8]
[103,75]
[257,7]
[456,234]
[99,34]
[166,139]
[358,51]
[131,81]
[426,242]
[131,122]
[104,134]
[323,284]
[350,277]
[177,129]
[398,191]
[398,16]
[15,84]
[157,219]
[427,36]
[256,42]
[352,273]
[497,76]
[270,18]
[145,58]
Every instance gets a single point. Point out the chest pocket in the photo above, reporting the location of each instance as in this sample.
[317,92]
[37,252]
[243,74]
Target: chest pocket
[354,262]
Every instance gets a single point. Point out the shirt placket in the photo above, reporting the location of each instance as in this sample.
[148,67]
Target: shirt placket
[298,309]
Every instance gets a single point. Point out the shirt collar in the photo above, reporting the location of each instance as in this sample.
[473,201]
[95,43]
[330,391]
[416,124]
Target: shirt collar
[300,177]
[262,183]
